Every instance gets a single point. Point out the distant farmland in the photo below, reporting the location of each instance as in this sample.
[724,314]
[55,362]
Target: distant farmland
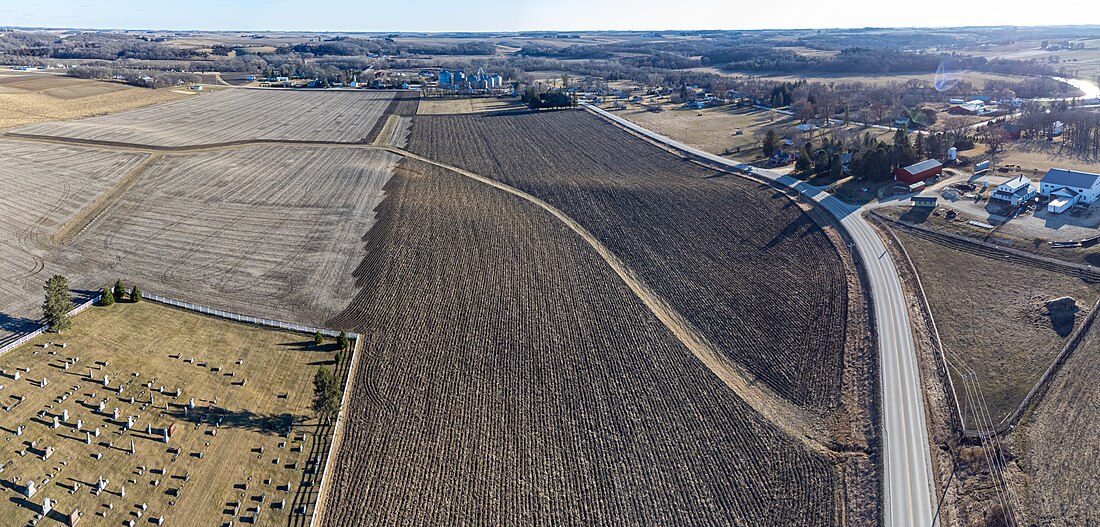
[233,115]
[269,231]
[509,377]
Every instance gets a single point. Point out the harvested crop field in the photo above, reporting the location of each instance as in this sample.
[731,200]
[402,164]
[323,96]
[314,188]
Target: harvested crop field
[993,316]
[740,261]
[44,186]
[508,376]
[1062,442]
[51,97]
[268,231]
[233,116]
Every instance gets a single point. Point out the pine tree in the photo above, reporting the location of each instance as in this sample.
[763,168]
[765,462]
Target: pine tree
[326,394]
[318,338]
[119,291]
[771,143]
[135,294]
[804,160]
[343,341]
[58,303]
[107,298]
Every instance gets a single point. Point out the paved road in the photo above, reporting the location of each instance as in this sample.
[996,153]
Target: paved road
[908,496]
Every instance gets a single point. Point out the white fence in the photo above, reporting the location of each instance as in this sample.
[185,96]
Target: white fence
[22,340]
[244,318]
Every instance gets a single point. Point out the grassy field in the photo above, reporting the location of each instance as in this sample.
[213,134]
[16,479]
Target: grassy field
[233,454]
[27,98]
[991,316]
[726,130]
[1060,440]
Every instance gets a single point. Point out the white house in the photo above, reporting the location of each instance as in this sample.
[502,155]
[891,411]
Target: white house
[1066,188]
[1014,191]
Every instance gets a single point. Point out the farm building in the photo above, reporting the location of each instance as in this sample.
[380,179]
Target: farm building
[1013,130]
[919,171]
[923,201]
[1014,191]
[1066,188]
[967,108]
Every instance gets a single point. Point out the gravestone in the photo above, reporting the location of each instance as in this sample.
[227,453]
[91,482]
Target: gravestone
[47,506]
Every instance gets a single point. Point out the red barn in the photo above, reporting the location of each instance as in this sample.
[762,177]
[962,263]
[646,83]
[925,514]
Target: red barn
[919,171]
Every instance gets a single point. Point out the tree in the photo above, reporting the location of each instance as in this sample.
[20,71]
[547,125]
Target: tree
[135,294]
[918,145]
[903,150]
[836,167]
[326,394]
[804,160]
[107,298]
[119,291]
[771,143]
[58,303]
[342,341]
[318,338]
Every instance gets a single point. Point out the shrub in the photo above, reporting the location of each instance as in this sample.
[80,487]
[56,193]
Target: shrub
[318,338]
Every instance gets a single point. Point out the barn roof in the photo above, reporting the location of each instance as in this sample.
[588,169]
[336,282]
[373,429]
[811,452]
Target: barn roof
[1070,178]
[917,168]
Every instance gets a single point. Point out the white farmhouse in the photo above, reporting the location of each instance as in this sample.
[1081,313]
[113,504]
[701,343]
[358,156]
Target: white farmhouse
[1014,191]
[1066,188]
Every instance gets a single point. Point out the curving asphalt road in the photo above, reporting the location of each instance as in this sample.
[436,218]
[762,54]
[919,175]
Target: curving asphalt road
[908,487]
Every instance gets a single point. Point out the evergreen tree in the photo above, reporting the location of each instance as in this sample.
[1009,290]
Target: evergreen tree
[318,339]
[58,303]
[326,393]
[804,161]
[119,291]
[342,341]
[107,298]
[135,294]
[918,146]
[771,143]
[903,150]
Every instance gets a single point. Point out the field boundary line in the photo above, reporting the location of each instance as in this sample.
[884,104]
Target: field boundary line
[796,422]
[1035,395]
[84,219]
[337,436]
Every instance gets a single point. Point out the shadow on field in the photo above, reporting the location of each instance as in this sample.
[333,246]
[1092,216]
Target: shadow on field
[274,424]
[308,345]
[12,324]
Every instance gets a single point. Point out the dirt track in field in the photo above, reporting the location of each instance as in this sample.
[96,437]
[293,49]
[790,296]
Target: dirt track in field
[794,421]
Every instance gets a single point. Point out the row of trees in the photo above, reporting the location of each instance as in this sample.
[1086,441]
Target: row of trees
[550,100]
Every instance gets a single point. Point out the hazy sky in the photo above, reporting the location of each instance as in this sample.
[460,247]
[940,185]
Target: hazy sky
[511,15]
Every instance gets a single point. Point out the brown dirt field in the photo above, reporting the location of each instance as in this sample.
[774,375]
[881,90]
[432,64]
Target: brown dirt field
[233,115]
[697,237]
[240,230]
[44,187]
[447,106]
[523,382]
[1060,443]
[989,314]
[156,341]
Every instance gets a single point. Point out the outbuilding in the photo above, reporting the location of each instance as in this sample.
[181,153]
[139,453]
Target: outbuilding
[1066,188]
[923,201]
[919,171]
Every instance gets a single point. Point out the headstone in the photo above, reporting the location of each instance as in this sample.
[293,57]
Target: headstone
[74,518]
[47,453]
[132,446]
[148,428]
[116,413]
[166,435]
[97,432]
[79,424]
[47,506]
[129,422]
[65,415]
[87,438]
[131,399]
[102,405]
[122,491]
[56,423]
[43,382]
[29,490]
[106,380]
[15,376]
[102,484]
[19,430]
[191,403]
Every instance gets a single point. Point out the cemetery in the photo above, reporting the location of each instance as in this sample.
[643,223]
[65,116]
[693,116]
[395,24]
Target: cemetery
[145,414]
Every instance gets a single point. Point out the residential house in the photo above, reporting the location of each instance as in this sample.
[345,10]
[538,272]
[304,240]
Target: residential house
[1066,188]
[1014,191]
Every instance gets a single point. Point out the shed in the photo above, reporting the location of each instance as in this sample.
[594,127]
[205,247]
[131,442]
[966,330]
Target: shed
[919,171]
[924,201]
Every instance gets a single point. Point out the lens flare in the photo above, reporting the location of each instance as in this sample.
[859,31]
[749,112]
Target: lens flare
[944,79]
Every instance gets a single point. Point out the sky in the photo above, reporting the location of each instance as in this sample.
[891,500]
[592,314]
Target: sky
[521,15]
